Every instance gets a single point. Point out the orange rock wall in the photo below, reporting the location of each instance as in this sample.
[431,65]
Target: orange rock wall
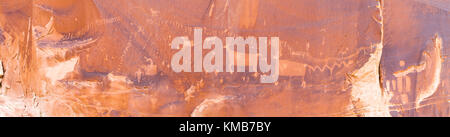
[112,58]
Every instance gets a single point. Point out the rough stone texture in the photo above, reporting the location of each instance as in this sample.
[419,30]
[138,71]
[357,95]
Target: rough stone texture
[112,58]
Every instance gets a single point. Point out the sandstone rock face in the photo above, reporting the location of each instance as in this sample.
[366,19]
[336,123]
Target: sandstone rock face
[113,58]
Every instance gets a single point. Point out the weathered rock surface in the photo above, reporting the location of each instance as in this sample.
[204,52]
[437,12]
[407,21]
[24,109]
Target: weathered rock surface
[112,58]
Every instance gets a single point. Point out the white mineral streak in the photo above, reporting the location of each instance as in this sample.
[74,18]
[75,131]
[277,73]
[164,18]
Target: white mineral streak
[366,90]
[200,109]
[60,70]
[368,97]
[434,64]
[411,69]
[18,107]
